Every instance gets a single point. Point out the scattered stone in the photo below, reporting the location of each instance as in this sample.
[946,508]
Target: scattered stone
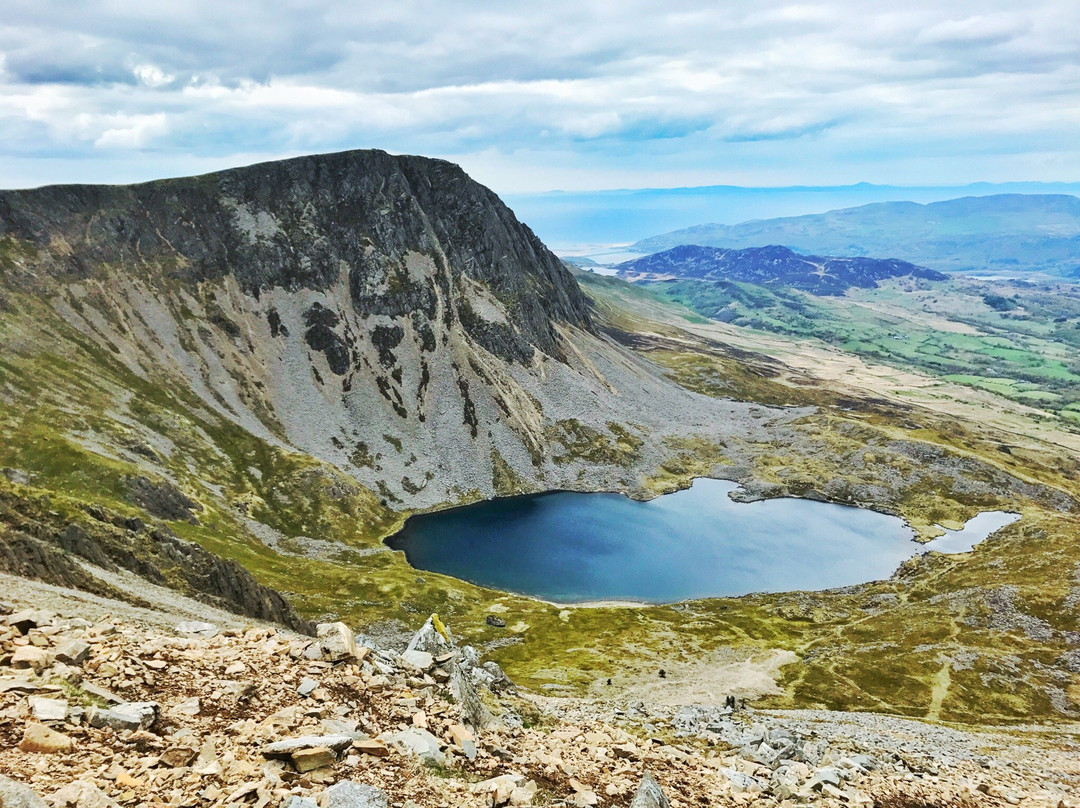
[307,687]
[39,738]
[178,757]
[306,760]
[494,621]
[349,794]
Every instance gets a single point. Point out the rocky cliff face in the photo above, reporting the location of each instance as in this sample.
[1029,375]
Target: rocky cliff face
[402,233]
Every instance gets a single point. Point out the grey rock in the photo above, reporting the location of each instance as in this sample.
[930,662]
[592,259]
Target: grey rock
[649,794]
[128,716]
[822,777]
[73,652]
[14,794]
[299,802]
[282,749]
[307,686]
[350,794]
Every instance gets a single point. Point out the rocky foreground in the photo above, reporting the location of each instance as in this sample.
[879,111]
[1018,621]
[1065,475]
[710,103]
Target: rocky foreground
[113,711]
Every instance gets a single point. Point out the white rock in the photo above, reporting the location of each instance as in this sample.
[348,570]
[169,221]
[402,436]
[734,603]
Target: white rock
[421,660]
[336,641]
[48,709]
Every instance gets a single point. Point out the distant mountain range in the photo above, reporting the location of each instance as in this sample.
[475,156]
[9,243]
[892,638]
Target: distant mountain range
[820,275]
[1004,233]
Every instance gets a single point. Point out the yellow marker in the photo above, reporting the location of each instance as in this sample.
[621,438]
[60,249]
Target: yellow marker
[439,627]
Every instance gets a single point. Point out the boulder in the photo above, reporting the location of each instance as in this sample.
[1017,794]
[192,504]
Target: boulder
[178,757]
[507,789]
[421,660]
[130,715]
[25,620]
[372,746]
[29,656]
[649,794]
[73,652]
[48,709]
[14,794]
[743,782]
[39,738]
[418,742]
[197,628]
[336,641]
[286,749]
[349,794]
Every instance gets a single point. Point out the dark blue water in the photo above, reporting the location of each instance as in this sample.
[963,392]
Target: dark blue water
[695,543]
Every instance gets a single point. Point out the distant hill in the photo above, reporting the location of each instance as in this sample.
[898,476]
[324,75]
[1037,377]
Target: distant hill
[1004,233]
[774,265]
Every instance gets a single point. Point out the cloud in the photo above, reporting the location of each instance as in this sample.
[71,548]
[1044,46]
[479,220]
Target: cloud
[628,93]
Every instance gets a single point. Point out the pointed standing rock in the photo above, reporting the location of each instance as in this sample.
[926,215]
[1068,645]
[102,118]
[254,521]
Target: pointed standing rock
[649,794]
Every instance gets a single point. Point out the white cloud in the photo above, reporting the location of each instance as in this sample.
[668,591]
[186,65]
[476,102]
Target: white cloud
[788,91]
[132,131]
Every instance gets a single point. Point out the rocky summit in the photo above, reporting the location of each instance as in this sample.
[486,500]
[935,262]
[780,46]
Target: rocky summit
[182,713]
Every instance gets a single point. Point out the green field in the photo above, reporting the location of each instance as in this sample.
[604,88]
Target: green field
[1018,340]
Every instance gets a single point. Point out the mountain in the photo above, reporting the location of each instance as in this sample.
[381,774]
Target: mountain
[276,364]
[777,266]
[1000,233]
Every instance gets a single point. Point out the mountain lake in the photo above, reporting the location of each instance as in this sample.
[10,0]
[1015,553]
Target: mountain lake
[573,547]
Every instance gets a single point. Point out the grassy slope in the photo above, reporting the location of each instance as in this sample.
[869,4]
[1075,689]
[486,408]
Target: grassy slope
[65,405]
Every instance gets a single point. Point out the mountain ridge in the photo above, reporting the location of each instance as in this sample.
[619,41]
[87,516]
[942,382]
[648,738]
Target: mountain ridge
[772,265]
[1002,231]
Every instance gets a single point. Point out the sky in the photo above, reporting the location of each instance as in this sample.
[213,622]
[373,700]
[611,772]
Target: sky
[565,94]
